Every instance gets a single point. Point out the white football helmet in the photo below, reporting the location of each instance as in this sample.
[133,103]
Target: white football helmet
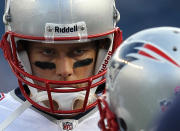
[143,76]
[59,21]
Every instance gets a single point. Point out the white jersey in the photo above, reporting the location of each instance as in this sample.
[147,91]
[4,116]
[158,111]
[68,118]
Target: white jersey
[33,120]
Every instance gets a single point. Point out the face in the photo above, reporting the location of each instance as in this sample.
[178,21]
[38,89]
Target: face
[62,62]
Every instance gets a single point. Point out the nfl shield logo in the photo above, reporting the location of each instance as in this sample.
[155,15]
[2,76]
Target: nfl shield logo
[164,104]
[67,126]
[177,91]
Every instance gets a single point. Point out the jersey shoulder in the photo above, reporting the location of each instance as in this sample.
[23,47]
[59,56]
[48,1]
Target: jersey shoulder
[7,100]
[90,123]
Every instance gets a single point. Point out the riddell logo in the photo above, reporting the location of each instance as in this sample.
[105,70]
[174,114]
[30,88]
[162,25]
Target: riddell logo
[66,29]
[106,61]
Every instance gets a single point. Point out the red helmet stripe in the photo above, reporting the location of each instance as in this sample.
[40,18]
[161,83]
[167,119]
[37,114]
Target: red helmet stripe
[161,53]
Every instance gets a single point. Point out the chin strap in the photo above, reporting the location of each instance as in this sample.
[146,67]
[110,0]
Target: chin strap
[14,115]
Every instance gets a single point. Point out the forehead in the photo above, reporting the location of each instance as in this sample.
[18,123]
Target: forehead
[62,45]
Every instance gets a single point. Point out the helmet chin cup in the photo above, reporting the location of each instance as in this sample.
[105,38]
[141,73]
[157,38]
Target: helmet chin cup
[64,101]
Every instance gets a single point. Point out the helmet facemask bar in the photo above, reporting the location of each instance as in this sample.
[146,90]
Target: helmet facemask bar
[59,90]
[10,52]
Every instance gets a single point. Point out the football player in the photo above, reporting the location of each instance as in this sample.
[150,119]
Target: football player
[58,50]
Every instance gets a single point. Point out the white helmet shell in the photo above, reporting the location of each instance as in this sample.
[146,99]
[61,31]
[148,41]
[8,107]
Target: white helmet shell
[31,17]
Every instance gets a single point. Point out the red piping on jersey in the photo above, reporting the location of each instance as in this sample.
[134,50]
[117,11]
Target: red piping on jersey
[2,96]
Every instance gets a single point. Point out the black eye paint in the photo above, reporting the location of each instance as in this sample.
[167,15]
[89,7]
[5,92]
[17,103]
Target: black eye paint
[84,62]
[48,65]
[45,65]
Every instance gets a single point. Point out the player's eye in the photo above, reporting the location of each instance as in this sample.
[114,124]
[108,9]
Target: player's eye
[79,52]
[48,52]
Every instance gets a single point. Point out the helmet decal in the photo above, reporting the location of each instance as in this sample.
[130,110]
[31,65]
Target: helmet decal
[65,30]
[164,104]
[106,61]
[147,50]
[159,52]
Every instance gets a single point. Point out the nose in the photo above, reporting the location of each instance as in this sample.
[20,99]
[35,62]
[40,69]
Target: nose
[64,67]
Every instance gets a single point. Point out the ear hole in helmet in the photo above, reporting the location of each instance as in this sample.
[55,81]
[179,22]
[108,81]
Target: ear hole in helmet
[175,48]
[122,124]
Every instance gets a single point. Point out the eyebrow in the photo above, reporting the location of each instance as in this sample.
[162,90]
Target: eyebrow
[74,46]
